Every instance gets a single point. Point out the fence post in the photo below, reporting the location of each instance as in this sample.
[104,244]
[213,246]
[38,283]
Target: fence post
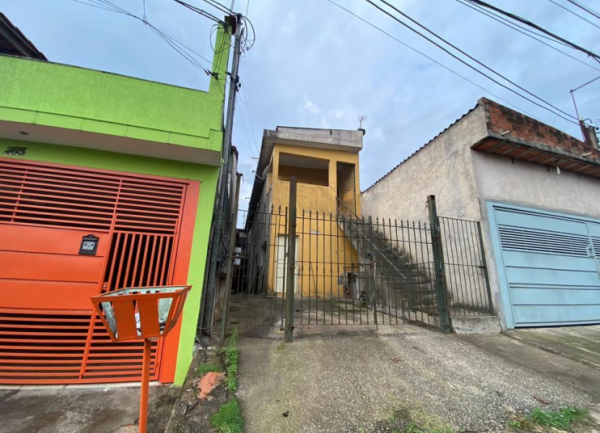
[438,262]
[373,269]
[485,270]
[291,264]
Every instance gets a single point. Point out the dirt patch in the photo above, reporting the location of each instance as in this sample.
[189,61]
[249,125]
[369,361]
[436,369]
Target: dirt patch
[208,383]
[193,412]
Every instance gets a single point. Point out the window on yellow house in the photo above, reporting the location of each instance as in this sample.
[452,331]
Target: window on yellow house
[314,171]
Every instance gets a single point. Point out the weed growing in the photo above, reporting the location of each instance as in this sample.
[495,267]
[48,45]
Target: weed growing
[563,419]
[229,418]
[230,355]
[208,368]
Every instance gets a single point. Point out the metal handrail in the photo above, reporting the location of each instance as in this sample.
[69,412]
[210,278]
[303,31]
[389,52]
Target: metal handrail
[370,241]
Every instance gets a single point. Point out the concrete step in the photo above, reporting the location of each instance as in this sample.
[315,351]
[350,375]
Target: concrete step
[475,324]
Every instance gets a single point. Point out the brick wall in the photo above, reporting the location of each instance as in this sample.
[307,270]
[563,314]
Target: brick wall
[501,119]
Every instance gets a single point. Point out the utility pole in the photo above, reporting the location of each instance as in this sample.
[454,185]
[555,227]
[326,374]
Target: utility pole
[233,88]
[218,222]
[230,259]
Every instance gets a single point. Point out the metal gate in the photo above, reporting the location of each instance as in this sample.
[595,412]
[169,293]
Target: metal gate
[354,271]
[549,266]
[48,333]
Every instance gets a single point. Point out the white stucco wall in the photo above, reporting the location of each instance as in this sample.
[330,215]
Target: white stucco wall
[528,184]
[441,168]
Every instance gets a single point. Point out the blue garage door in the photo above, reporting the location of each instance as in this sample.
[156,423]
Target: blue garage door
[551,267]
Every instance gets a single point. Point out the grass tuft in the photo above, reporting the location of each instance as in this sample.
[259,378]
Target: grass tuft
[229,418]
[230,355]
[562,419]
[208,368]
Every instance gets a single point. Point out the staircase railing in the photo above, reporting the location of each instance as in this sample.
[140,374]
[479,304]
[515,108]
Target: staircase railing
[363,235]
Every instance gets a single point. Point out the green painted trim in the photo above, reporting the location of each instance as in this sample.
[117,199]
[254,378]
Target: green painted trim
[99,127]
[207,175]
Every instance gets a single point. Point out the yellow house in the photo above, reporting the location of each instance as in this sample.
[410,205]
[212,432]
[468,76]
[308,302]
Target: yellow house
[325,163]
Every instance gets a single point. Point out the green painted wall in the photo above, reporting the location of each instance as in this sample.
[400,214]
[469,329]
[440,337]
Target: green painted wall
[51,94]
[159,167]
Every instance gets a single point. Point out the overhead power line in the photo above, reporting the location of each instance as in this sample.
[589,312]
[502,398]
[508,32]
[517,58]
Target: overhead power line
[426,56]
[220,6]
[518,25]
[473,67]
[201,11]
[537,27]
[585,84]
[472,58]
[179,47]
[249,36]
[529,33]
[585,8]
[239,113]
[574,13]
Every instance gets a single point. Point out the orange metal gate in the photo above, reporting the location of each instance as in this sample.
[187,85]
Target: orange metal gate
[48,333]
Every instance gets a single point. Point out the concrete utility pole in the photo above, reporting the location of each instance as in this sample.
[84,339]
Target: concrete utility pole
[230,259]
[234,80]
[219,216]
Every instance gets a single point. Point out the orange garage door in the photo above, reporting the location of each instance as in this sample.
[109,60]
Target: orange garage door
[47,331]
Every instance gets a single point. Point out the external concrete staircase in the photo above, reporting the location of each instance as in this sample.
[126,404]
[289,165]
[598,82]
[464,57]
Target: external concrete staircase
[402,286]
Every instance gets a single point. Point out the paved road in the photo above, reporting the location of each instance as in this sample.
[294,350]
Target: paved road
[360,381]
[82,409]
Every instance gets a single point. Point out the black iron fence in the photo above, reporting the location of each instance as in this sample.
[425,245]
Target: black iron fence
[348,271]
[353,271]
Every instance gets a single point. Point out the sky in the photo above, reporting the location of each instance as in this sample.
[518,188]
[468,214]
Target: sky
[315,65]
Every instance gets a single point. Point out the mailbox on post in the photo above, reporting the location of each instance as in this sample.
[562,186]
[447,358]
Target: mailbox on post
[146,313]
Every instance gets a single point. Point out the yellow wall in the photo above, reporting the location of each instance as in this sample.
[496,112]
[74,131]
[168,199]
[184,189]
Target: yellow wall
[313,197]
[314,176]
[323,251]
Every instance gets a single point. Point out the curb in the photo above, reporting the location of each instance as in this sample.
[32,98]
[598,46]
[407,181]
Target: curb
[553,351]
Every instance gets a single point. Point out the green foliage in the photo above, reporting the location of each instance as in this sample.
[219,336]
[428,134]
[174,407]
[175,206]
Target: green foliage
[229,418]
[207,368]
[562,419]
[230,355]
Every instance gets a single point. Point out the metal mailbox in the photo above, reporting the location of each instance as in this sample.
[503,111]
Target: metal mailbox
[136,313]
[146,313]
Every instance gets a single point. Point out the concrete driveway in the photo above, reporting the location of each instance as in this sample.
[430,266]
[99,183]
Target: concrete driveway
[580,343]
[364,380]
[82,409]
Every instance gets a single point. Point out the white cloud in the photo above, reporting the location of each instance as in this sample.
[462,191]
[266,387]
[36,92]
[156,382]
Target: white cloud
[310,107]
